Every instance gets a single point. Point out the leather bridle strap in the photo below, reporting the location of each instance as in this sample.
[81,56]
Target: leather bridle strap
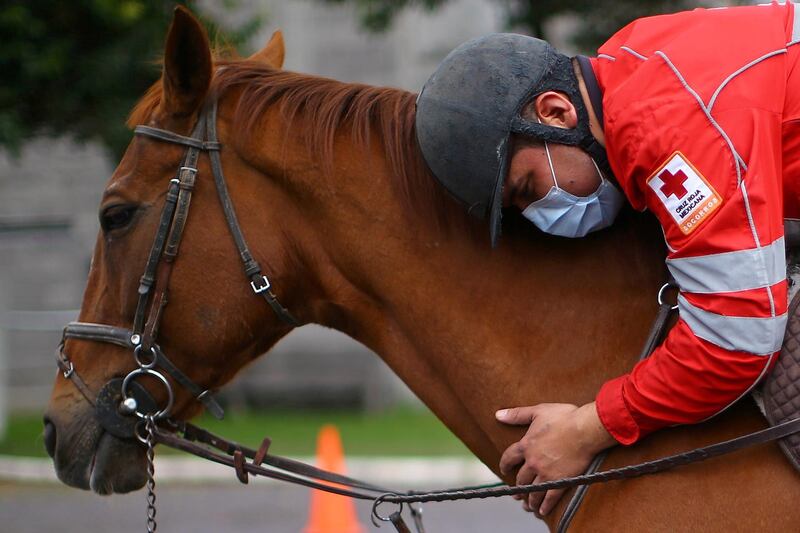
[100,333]
[149,277]
[159,265]
[122,337]
[186,181]
[258,281]
[174,138]
[654,336]
[68,371]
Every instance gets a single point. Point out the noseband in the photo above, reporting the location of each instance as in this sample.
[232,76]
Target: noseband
[124,396]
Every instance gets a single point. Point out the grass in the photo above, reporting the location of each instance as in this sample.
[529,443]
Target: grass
[403,431]
[23,436]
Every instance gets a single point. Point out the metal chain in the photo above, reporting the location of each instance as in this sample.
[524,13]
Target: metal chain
[150,426]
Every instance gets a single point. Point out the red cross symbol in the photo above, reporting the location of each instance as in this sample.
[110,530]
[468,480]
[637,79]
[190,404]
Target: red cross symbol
[673,183]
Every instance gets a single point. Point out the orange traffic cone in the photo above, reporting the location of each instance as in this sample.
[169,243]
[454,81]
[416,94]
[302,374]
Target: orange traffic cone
[331,513]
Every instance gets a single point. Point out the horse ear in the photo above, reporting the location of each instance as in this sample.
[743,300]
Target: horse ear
[273,52]
[187,64]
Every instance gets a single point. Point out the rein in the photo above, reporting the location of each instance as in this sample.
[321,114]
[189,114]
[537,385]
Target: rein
[127,410]
[234,455]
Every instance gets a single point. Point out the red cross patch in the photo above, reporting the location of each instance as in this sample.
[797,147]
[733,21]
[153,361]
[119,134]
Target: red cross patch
[686,194]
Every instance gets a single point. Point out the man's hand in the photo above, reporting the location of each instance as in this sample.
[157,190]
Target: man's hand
[561,442]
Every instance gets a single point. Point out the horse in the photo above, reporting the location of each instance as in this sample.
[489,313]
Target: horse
[354,233]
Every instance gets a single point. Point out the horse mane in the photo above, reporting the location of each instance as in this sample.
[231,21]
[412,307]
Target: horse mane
[330,106]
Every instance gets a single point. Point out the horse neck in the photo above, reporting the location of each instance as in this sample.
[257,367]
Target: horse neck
[469,329]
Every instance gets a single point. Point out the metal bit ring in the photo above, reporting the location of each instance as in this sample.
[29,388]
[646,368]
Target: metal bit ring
[137,354]
[163,413]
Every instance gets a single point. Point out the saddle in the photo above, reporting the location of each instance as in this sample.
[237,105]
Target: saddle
[779,395]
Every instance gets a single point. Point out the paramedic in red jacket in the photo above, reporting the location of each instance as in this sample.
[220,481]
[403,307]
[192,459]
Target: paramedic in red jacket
[698,127]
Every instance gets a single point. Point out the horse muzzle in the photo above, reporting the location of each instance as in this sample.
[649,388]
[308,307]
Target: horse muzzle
[86,456]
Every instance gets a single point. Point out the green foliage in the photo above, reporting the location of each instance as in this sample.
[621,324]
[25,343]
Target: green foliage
[599,19]
[377,15]
[78,67]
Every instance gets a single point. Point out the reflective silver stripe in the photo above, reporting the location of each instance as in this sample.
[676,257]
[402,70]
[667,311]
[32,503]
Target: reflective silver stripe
[752,224]
[753,63]
[760,336]
[731,271]
[737,158]
[633,52]
[795,24]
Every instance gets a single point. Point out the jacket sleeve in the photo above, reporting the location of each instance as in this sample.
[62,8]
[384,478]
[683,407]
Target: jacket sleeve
[721,212]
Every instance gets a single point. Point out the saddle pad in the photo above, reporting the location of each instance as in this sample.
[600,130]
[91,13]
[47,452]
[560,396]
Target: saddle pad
[781,389]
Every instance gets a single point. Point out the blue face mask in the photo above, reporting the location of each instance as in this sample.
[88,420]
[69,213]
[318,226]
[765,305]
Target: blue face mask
[564,214]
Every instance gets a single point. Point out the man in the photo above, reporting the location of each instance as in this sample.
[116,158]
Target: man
[691,115]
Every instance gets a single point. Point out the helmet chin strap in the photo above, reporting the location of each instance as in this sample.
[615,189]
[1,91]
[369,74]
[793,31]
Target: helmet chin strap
[562,78]
[588,152]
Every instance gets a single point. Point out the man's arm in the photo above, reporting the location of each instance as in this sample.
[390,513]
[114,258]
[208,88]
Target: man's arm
[723,225]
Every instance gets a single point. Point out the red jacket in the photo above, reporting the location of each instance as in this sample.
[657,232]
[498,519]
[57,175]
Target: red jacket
[701,119]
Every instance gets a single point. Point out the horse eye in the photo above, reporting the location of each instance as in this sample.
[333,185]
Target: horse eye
[116,217]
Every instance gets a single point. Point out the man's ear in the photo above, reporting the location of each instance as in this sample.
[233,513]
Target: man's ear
[555,109]
[187,65]
[273,52]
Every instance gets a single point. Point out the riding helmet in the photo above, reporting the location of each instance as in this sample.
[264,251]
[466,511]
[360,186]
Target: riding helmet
[469,107]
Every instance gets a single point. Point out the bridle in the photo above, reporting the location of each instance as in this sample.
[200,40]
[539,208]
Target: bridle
[124,407]
[124,396]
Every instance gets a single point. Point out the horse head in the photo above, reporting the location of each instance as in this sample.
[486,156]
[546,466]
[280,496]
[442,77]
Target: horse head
[213,325]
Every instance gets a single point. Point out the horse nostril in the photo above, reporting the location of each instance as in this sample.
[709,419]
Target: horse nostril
[49,435]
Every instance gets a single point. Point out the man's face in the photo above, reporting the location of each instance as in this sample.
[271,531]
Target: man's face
[529,176]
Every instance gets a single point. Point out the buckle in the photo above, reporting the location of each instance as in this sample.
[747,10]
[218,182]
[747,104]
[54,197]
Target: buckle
[187,177]
[263,286]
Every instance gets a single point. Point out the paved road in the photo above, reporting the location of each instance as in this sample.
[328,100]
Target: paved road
[26,508]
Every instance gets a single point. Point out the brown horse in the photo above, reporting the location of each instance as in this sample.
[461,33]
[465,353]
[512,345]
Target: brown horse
[331,192]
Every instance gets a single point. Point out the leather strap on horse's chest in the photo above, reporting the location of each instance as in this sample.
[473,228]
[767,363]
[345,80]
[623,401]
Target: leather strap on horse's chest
[657,331]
